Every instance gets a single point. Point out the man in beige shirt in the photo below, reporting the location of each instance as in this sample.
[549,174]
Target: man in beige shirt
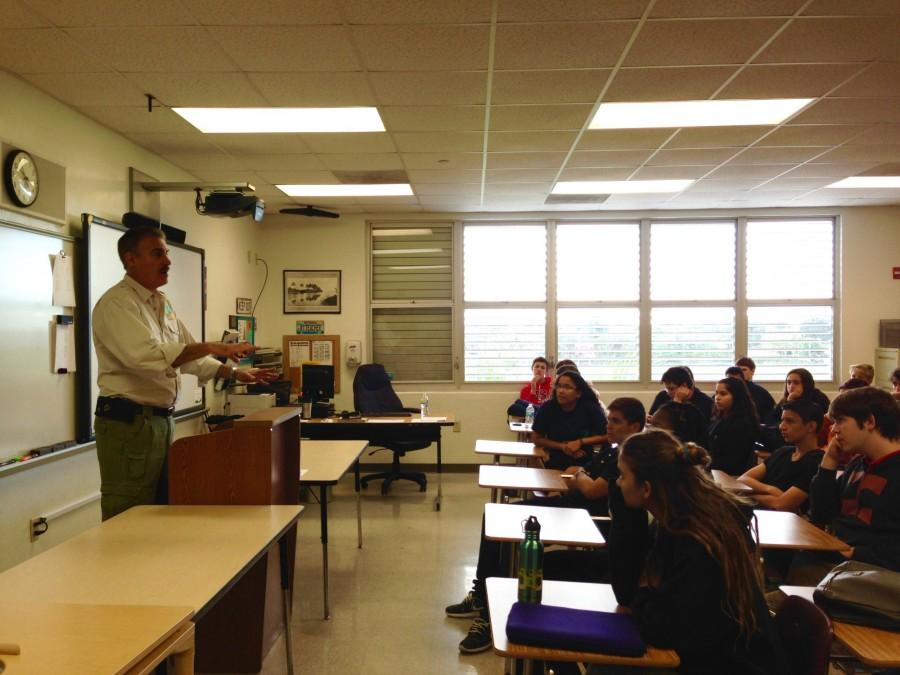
[141,347]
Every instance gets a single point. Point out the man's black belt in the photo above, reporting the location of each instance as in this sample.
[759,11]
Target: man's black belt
[123,410]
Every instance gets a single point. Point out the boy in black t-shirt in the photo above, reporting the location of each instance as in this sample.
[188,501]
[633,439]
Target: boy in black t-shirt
[782,482]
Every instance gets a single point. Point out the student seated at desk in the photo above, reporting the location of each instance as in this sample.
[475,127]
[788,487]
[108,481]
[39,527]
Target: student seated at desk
[569,424]
[798,384]
[734,429]
[679,387]
[782,482]
[682,420]
[540,387]
[691,579]
[760,395]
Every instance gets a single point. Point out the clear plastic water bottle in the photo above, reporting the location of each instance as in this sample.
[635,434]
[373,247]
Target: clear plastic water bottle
[423,406]
[531,563]
[529,414]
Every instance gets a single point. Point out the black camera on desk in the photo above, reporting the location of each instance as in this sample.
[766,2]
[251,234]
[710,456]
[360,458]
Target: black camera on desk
[317,390]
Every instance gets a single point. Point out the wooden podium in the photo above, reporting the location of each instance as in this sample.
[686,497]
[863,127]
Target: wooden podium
[257,461]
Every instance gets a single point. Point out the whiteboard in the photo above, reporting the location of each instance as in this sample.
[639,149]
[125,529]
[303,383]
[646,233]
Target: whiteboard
[103,269]
[37,406]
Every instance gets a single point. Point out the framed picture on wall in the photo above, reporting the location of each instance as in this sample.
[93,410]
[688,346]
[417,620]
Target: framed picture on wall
[312,291]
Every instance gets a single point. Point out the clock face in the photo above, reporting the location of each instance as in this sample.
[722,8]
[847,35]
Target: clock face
[21,177]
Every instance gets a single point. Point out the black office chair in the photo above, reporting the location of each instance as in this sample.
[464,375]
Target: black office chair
[373,394]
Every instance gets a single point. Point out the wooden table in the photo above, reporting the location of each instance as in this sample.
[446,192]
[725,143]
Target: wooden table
[502,593]
[872,646]
[62,638]
[520,478]
[559,525]
[730,483]
[782,529]
[170,556]
[520,451]
[323,463]
[377,430]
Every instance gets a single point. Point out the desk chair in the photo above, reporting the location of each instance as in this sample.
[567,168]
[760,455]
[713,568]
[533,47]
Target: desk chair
[373,393]
[805,633]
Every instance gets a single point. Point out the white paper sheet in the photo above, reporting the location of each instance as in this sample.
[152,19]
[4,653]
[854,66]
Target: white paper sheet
[321,351]
[298,352]
[63,281]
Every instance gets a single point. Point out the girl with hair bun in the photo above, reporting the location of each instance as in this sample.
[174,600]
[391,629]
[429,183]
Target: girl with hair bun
[691,578]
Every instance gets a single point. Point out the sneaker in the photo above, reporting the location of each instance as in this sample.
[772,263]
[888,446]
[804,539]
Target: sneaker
[470,606]
[478,639]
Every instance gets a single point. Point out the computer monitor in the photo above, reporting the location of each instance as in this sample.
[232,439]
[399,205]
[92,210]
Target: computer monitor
[318,382]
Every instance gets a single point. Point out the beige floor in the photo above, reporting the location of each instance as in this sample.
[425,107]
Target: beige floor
[388,599]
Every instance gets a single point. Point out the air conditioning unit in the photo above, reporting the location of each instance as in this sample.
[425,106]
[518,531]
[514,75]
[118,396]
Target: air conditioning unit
[889,333]
[887,360]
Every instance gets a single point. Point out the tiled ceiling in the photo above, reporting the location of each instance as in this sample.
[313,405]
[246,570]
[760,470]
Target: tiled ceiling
[486,102]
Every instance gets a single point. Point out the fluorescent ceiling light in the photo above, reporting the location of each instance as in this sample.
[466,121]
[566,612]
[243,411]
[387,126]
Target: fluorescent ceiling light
[354,190]
[867,182]
[404,251]
[281,120]
[412,231]
[603,187]
[419,267]
[674,114]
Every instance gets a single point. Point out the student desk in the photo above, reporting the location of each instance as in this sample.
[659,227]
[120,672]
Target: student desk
[730,483]
[520,451]
[872,646]
[502,593]
[559,525]
[782,529]
[323,463]
[61,638]
[520,478]
[171,556]
[376,430]
[521,429]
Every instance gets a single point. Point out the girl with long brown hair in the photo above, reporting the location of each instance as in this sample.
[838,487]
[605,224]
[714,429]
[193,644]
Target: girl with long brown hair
[692,578]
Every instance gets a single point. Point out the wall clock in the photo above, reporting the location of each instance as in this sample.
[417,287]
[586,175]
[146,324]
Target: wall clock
[21,177]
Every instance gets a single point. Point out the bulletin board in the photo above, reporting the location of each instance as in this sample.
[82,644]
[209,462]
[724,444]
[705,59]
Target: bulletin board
[322,349]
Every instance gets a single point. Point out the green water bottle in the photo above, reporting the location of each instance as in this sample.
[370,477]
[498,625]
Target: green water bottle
[531,562]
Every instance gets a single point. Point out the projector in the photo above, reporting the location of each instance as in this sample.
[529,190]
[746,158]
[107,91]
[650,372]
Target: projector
[233,205]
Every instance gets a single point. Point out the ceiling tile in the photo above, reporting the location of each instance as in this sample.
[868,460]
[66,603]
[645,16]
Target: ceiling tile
[712,42]
[722,185]
[15,14]
[608,158]
[562,45]
[880,79]
[136,119]
[811,134]
[716,137]
[78,89]
[259,144]
[864,153]
[748,172]
[851,7]
[243,176]
[623,139]
[287,48]
[548,86]
[451,141]
[191,90]
[362,162]
[46,50]
[687,157]
[823,170]
[281,162]
[596,173]
[391,208]
[201,161]
[420,11]
[672,172]
[443,88]
[433,118]
[768,155]
[520,141]
[312,90]
[185,142]
[837,40]
[299,177]
[573,10]
[442,160]
[175,49]
[667,84]
[347,143]
[520,175]
[447,47]
[525,160]
[788,81]
[274,12]
[461,189]
[878,135]
[850,111]
[444,176]
[539,117]
[113,13]
[536,190]
[705,8]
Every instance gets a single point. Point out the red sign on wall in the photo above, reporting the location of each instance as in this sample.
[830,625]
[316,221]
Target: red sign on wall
[897,272]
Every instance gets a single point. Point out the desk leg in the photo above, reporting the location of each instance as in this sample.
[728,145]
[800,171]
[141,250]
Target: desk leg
[437,500]
[323,511]
[358,504]
[493,489]
[286,603]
